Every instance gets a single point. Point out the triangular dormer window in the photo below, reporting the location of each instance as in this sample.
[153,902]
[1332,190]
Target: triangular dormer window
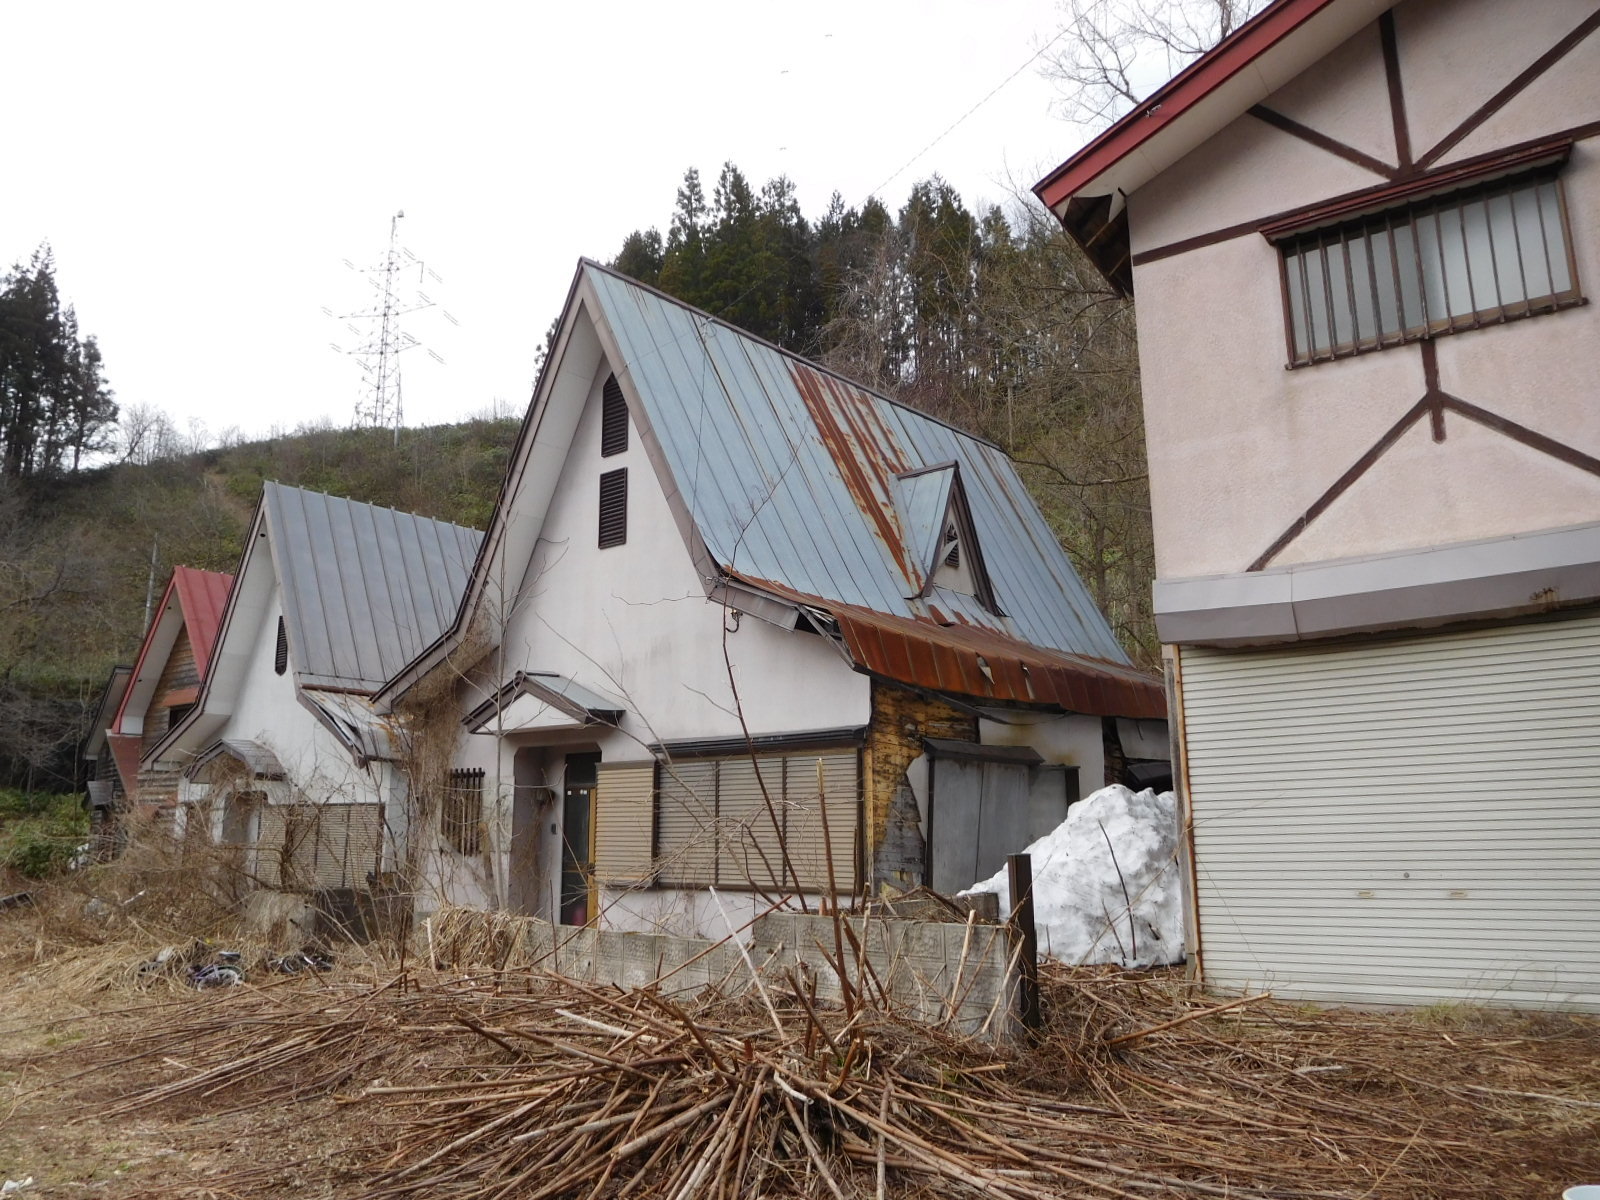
[939,534]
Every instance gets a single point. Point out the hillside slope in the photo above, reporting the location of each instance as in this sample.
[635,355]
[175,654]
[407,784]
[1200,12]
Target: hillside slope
[76,554]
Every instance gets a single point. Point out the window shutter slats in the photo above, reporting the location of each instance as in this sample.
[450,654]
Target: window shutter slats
[613,419]
[614,508]
[622,822]
[686,820]
[752,845]
[713,826]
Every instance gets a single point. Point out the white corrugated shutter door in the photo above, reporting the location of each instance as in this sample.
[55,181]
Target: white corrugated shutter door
[1401,821]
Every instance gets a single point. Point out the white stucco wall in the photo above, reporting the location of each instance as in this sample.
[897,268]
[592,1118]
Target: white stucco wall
[1240,447]
[631,621]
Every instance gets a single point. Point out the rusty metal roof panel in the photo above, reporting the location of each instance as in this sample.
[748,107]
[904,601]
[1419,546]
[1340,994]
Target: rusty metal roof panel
[365,589]
[791,474]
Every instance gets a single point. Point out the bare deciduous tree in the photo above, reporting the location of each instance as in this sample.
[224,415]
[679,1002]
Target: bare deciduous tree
[1119,51]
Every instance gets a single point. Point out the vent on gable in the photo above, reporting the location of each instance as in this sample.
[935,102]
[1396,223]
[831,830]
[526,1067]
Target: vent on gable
[614,508]
[280,658]
[613,419]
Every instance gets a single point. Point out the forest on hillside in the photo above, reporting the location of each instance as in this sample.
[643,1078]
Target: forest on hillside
[990,320]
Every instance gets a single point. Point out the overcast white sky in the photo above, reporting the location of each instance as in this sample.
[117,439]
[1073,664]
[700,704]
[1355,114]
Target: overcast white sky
[203,170]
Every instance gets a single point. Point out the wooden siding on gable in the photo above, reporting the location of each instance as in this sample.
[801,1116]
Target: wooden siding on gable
[180,674]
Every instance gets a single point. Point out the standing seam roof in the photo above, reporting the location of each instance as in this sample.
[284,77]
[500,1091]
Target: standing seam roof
[365,589]
[790,474]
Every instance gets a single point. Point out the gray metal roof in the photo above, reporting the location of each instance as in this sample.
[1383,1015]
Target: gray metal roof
[571,697]
[258,759]
[365,589]
[792,475]
[352,719]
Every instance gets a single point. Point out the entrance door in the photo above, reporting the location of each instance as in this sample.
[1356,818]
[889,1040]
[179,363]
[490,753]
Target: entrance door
[577,843]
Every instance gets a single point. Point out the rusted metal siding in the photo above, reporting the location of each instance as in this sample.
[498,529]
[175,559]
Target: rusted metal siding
[791,474]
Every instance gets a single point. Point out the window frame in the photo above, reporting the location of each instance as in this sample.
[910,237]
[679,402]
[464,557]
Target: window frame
[1366,226]
[795,779]
[461,811]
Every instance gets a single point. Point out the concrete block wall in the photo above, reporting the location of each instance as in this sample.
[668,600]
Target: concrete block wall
[957,976]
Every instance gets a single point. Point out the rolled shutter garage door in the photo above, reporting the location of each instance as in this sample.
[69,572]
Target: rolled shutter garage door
[1401,821]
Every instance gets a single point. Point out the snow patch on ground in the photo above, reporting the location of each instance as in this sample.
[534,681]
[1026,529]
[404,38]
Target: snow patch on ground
[1113,840]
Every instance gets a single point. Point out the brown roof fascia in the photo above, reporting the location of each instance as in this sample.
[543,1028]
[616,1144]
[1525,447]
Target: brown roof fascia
[981,663]
[1177,96]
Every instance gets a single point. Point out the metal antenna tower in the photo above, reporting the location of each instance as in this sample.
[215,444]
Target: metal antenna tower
[382,341]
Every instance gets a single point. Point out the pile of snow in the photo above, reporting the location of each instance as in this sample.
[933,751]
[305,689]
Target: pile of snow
[1105,882]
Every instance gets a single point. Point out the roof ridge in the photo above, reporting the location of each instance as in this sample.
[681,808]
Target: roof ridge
[746,335]
[415,516]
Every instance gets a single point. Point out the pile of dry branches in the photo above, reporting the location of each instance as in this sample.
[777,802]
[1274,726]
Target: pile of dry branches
[530,1085]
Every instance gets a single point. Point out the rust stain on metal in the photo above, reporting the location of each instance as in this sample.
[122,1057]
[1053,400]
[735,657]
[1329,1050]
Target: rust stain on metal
[864,449]
[952,659]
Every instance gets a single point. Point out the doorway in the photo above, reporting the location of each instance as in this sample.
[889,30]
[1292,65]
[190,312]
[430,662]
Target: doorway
[577,903]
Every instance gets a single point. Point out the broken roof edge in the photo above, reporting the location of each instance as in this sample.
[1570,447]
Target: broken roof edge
[982,664]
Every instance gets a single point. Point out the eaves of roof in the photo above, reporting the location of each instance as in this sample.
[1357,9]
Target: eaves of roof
[1085,192]
[982,664]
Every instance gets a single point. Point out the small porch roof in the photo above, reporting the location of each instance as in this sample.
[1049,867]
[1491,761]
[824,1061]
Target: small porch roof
[532,700]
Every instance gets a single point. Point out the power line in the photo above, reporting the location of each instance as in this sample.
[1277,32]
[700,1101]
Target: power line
[1033,58]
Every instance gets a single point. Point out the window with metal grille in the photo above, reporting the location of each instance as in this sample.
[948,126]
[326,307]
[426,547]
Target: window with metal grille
[280,657]
[732,821]
[613,419]
[614,507]
[1478,256]
[461,817]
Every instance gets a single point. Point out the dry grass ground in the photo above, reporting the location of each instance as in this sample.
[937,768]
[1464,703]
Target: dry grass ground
[367,1081]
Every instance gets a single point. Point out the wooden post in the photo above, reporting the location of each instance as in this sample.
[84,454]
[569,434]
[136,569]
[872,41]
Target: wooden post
[1019,873]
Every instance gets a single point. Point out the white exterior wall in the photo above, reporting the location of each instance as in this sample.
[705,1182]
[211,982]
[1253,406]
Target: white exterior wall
[1073,741]
[1239,446]
[318,767]
[631,621]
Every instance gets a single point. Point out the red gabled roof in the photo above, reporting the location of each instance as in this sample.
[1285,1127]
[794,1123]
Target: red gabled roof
[1182,92]
[203,595]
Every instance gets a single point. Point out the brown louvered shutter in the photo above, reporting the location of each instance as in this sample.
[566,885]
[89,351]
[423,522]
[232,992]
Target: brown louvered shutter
[613,419]
[614,508]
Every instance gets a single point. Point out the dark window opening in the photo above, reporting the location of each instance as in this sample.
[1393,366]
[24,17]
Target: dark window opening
[614,508]
[1478,256]
[613,419]
[280,659]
